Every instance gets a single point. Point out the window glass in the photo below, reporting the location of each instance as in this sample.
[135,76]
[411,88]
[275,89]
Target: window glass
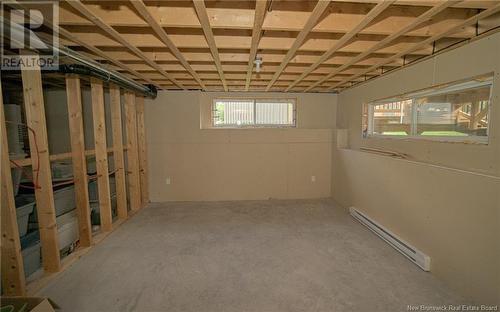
[456,111]
[459,113]
[274,113]
[392,118]
[233,113]
[253,113]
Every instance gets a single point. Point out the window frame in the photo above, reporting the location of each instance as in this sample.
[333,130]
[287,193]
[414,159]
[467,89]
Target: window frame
[254,125]
[413,96]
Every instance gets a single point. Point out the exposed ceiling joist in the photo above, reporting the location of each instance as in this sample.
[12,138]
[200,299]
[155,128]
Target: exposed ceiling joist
[212,45]
[379,8]
[80,7]
[260,12]
[311,22]
[99,52]
[201,11]
[469,21]
[143,11]
[422,18]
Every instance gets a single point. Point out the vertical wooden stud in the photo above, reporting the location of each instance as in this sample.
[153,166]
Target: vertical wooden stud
[143,161]
[74,99]
[132,152]
[118,157]
[13,282]
[39,149]
[101,154]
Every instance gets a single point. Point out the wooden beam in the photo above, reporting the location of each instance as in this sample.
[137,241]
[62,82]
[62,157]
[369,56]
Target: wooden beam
[13,282]
[25,162]
[422,18]
[379,8]
[80,7]
[39,149]
[143,159]
[79,161]
[118,157]
[284,16]
[494,9]
[101,155]
[311,22]
[143,11]
[132,152]
[104,55]
[260,13]
[201,11]
[482,113]
[61,31]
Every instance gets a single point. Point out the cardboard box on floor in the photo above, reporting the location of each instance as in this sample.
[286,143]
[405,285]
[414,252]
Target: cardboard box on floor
[27,304]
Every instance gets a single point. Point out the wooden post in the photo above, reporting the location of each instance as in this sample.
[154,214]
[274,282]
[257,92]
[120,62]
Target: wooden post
[101,155]
[74,99]
[119,159]
[132,152]
[39,149]
[13,282]
[474,110]
[143,161]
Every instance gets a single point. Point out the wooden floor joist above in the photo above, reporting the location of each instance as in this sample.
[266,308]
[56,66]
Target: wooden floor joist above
[304,45]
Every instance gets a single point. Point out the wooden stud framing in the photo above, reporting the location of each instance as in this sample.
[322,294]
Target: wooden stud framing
[118,157]
[260,13]
[469,21]
[74,99]
[422,18]
[13,282]
[92,48]
[147,39]
[201,11]
[379,8]
[311,22]
[76,4]
[35,119]
[104,55]
[143,161]
[101,155]
[132,152]
[141,8]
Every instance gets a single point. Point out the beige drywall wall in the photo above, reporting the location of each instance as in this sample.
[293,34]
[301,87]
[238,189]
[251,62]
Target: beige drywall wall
[237,164]
[445,200]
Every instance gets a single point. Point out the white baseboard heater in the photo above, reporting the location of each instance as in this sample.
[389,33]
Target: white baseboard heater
[410,252]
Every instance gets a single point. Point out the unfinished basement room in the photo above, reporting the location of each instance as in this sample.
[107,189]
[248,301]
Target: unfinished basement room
[250,155]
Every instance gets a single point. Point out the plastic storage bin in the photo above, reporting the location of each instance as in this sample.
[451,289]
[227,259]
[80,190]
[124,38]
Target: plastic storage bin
[16,173]
[94,193]
[31,252]
[67,229]
[62,170]
[24,207]
[64,200]
[95,210]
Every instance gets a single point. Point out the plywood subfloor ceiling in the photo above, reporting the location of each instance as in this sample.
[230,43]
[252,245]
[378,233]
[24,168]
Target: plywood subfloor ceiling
[313,46]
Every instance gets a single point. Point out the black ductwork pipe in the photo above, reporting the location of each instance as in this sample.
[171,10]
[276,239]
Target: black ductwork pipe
[83,65]
[79,69]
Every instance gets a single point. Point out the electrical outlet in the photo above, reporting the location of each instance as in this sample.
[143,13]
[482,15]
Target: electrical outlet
[313,179]
[167,181]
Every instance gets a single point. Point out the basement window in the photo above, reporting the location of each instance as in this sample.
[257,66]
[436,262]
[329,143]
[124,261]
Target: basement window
[241,113]
[455,112]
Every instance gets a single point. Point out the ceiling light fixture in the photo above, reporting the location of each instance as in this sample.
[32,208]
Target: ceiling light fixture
[258,63]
